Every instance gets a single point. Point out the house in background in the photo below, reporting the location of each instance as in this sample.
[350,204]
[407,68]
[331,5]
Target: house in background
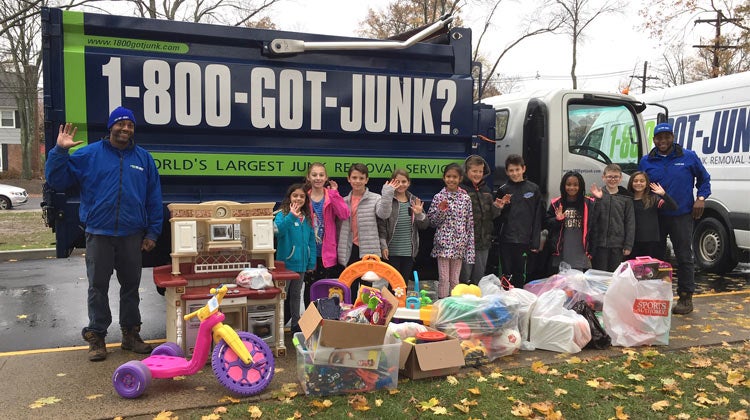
[11,162]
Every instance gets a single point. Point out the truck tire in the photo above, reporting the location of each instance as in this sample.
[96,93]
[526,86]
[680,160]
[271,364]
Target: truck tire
[712,247]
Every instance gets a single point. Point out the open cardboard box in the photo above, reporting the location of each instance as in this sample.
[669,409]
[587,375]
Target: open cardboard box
[426,360]
[342,335]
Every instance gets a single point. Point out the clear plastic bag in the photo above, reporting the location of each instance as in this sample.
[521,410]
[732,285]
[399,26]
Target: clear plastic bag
[492,285]
[486,326]
[556,328]
[254,278]
[577,285]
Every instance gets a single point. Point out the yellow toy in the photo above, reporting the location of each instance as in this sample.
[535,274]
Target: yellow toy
[466,289]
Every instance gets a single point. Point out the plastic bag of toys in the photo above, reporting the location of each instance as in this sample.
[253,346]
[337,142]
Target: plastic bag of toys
[254,278]
[487,326]
[491,285]
[555,328]
[577,285]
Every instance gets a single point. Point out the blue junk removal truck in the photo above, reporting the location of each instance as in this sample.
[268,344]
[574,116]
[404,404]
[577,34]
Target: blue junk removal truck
[237,114]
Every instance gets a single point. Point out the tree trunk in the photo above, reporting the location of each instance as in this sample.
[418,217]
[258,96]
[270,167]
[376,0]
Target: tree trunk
[573,66]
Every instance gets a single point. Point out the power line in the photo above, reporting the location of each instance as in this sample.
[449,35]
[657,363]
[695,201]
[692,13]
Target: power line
[720,20]
[567,77]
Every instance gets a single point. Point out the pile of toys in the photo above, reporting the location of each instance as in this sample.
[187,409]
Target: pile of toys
[356,348]
[487,326]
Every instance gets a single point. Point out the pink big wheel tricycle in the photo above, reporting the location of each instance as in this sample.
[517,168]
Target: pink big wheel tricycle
[242,362]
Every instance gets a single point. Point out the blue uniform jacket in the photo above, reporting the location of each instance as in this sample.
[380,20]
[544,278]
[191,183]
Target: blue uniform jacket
[296,242]
[120,189]
[676,172]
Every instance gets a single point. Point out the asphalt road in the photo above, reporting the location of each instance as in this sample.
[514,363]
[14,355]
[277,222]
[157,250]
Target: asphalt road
[43,305]
[31,204]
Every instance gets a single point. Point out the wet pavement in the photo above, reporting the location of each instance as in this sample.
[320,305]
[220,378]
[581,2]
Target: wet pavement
[43,304]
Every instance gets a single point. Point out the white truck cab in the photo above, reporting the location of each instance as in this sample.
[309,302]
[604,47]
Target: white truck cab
[567,130]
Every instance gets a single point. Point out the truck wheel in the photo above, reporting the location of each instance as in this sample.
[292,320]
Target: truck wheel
[712,247]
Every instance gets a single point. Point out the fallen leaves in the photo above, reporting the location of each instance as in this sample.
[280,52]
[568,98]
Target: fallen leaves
[599,383]
[660,405]
[701,362]
[165,415]
[255,412]
[41,402]
[620,413]
[359,403]
[321,405]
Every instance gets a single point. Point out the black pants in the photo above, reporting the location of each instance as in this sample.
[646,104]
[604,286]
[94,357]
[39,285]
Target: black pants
[680,231]
[513,260]
[646,249]
[354,257]
[607,259]
[404,265]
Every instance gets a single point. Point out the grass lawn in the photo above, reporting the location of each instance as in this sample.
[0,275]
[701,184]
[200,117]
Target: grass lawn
[643,383]
[24,230]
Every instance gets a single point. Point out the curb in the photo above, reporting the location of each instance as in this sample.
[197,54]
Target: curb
[34,254]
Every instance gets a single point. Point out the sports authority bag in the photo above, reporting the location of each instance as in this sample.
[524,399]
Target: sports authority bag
[638,311]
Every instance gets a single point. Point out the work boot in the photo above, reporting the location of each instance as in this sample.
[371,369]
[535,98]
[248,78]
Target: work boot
[97,348]
[131,340]
[685,305]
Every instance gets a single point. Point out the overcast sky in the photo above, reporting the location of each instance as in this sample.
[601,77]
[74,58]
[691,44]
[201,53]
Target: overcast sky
[615,47]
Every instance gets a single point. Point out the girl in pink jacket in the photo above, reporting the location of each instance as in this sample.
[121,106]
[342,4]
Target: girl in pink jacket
[326,207]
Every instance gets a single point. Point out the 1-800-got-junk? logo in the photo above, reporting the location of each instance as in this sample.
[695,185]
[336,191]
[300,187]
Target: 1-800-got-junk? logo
[651,307]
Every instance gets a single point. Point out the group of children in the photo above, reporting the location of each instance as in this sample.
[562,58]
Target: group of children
[319,232]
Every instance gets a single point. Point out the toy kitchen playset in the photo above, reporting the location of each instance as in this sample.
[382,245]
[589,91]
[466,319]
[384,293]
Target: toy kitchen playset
[211,243]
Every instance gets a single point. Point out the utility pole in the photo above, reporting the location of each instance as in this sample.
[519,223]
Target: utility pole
[644,77]
[720,20]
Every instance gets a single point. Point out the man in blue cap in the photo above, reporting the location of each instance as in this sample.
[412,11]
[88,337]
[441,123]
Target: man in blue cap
[121,209]
[677,169]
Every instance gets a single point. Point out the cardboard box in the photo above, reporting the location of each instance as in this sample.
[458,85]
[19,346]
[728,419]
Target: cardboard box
[428,360]
[340,334]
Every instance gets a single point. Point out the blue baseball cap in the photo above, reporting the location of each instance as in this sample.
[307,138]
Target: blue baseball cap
[663,128]
[119,114]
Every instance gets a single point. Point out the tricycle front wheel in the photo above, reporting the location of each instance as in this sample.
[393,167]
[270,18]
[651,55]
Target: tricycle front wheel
[238,377]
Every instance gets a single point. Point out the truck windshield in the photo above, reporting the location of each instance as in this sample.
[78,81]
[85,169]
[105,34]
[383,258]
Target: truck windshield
[604,132]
